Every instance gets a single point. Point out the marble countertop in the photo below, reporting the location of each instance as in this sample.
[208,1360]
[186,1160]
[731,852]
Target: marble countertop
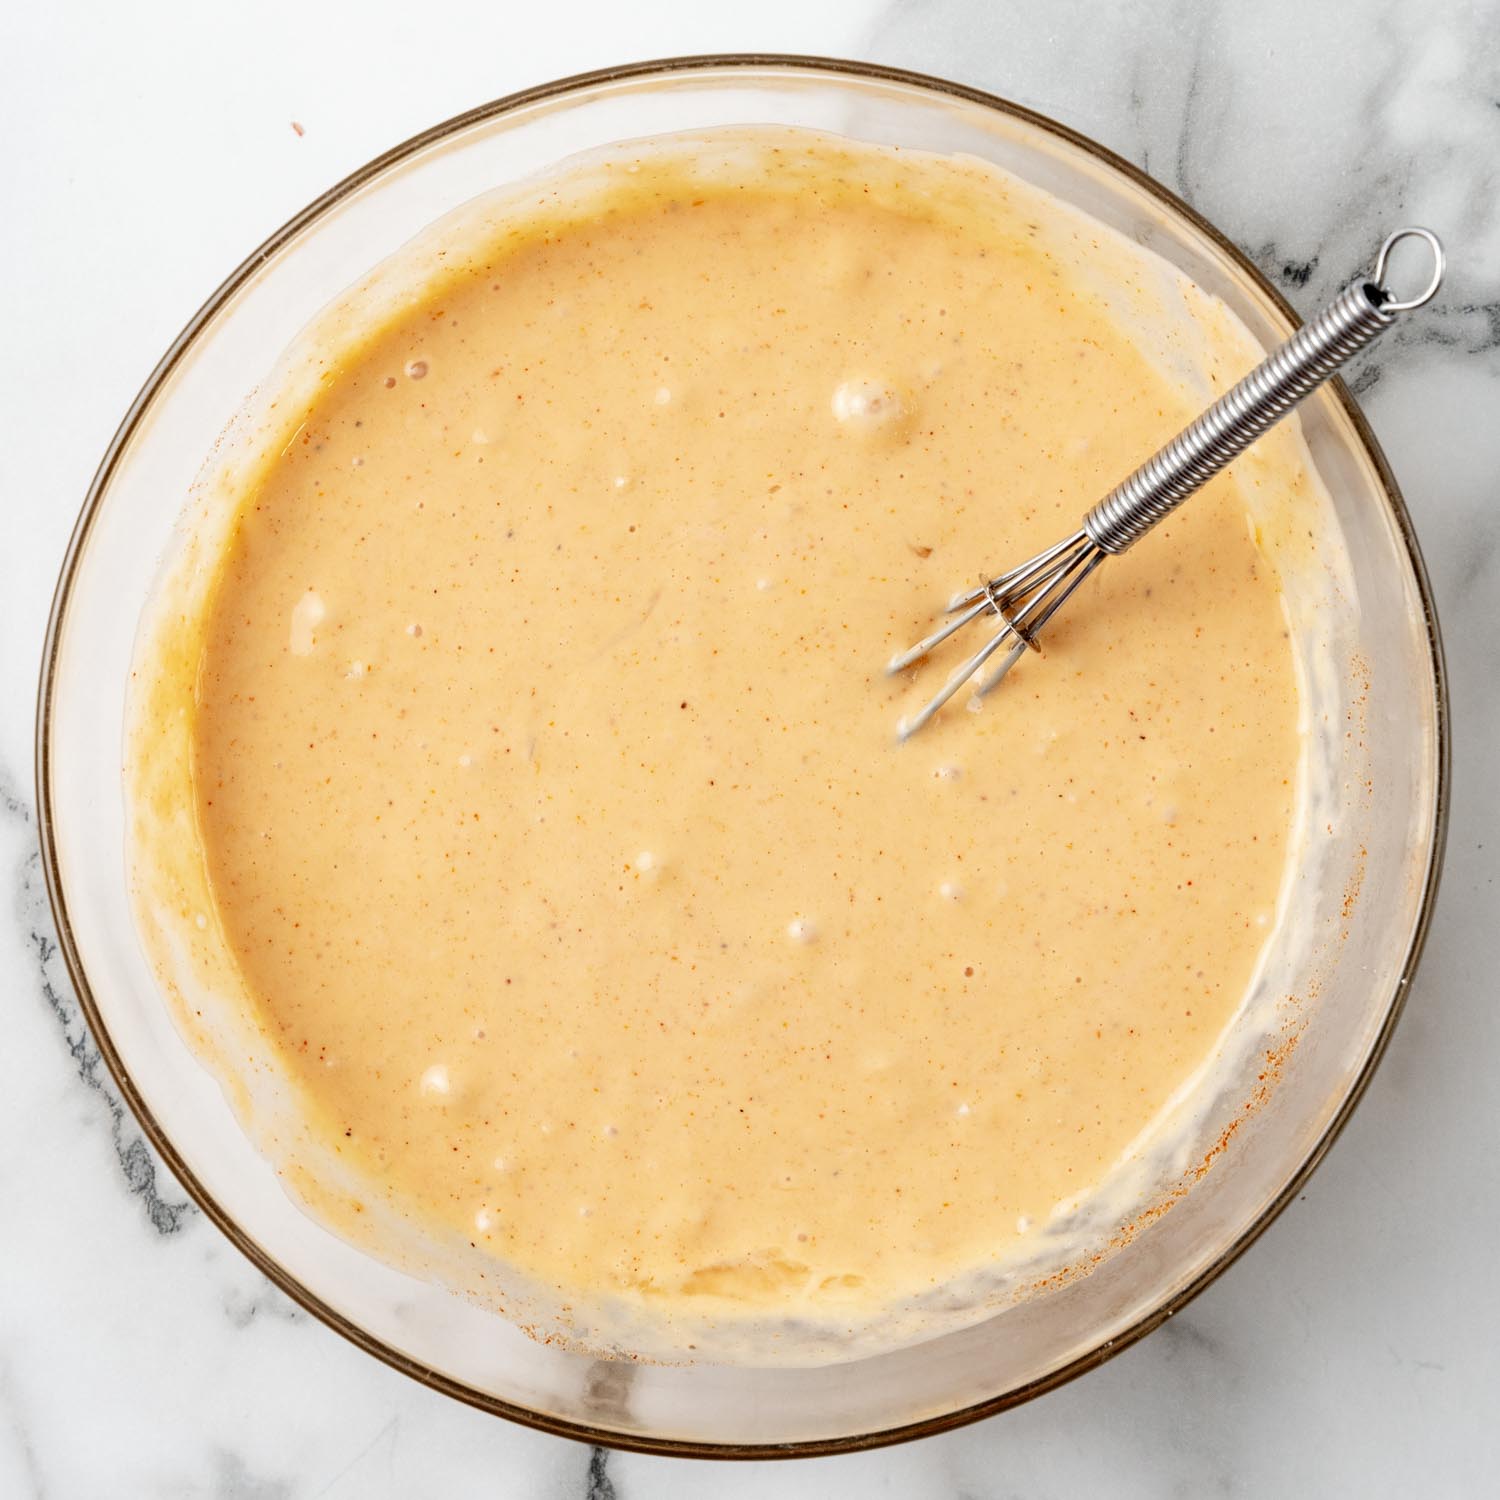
[1356,1348]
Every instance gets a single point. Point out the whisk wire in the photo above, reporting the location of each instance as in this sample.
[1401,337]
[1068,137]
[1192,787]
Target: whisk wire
[1023,601]
[1043,565]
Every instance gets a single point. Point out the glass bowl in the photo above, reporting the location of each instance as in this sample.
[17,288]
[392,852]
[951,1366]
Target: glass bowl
[1372,900]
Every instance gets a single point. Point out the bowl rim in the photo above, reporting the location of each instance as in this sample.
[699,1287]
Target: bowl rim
[663,68]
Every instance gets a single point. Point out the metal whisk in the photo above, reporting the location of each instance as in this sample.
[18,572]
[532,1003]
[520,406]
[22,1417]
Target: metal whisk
[1027,597]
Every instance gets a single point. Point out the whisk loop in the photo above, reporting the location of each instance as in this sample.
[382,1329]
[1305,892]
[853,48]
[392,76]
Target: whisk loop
[1027,597]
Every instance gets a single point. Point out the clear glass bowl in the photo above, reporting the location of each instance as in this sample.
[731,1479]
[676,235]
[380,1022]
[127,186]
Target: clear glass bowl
[1386,846]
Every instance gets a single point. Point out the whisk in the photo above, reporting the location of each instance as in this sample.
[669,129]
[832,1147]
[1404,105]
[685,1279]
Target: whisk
[1027,597]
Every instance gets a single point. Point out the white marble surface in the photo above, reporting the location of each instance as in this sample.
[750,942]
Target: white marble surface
[143,149]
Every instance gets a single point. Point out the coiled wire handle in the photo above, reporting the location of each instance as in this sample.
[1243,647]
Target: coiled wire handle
[1358,316]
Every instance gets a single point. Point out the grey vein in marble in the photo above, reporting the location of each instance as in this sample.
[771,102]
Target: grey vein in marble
[600,1486]
[141,1168]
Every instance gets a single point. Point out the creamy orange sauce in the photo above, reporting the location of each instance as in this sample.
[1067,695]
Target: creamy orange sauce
[544,761]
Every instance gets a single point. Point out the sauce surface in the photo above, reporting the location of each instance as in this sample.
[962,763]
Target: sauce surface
[544,759]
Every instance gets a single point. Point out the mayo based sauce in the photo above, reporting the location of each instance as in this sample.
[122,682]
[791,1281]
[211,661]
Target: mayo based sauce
[543,757]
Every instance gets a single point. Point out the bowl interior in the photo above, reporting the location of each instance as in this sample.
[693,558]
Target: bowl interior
[1370,905]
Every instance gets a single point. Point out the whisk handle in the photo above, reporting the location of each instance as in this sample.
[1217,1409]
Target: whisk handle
[1358,316]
